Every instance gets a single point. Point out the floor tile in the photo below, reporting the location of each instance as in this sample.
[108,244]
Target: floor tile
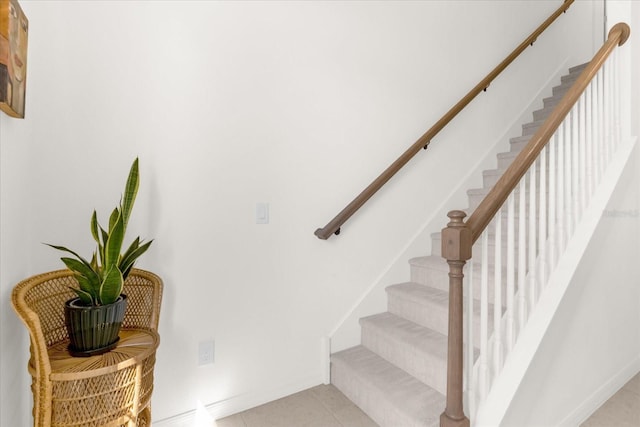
[320,406]
[330,397]
[634,384]
[326,406]
[622,410]
[232,421]
[300,409]
[352,416]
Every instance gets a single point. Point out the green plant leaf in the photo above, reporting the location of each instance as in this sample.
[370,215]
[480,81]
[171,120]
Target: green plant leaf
[87,287]
[105,237]
[82,270]
[113,218]
[95,266]
[127,262]
[94,262]
[111,286]
[101,280]
[62,248]
[76,266]
[130,191]
[113,246]
[94,227]
[132,247]
[123,257]
[85,297]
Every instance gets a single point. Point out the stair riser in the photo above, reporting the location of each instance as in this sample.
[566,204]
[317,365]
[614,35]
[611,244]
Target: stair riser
[551,102]
[373,402]
[430,316]
[424,366]
[439,279]
[542,114]
[491,177]
[518,144]
[505,159]
[530,128]
[560,91]
[572,76]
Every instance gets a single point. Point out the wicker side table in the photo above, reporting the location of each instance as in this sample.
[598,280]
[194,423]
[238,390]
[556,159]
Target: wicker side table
[113,388]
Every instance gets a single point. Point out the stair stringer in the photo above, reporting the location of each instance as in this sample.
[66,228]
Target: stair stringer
[493,409]
[346,332]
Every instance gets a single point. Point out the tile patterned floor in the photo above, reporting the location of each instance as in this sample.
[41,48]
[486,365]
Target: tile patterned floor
[326,406]
[320,406]
[622,410]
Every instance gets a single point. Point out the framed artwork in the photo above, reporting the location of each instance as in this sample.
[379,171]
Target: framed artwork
[14,29]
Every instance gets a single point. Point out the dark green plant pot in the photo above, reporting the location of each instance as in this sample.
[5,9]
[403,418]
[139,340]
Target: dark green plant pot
[93,330]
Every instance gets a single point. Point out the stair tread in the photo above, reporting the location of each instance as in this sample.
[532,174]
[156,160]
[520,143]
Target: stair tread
[436,262]
[439,264]
[430,261]
[577,69]
[405,332]
[532,127]
[428,295]
[419,293]
[404,392]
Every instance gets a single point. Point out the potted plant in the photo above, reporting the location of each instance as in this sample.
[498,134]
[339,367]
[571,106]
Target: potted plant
[94,317]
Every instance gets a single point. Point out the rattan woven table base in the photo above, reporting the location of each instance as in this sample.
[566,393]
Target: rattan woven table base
[108,389]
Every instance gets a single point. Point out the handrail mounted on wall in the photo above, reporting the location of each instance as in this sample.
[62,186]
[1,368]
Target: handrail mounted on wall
[333,227]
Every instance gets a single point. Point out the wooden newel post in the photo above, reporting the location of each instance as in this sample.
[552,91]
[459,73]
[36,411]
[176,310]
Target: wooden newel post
[456,249]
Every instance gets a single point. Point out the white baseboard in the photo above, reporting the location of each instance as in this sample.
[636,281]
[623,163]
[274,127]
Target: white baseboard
[242,402]
[604,393]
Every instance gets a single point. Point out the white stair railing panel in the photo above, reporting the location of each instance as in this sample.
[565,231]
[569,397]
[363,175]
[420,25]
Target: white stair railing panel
[532,229]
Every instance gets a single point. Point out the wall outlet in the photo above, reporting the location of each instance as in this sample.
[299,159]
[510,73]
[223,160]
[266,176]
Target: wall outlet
[206,352]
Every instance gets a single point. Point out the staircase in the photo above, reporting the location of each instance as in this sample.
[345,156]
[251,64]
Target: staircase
[397,375]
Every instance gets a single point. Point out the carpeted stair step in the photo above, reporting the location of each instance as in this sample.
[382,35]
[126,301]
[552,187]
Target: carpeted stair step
[389,395]
[531,127]
[419,351]
[434,271]
[428,307]
[542,114]
[491,176]
[506,158]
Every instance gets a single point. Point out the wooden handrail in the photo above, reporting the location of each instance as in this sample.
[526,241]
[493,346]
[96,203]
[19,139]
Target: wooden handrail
[496,197]
[458,237]
[333,227]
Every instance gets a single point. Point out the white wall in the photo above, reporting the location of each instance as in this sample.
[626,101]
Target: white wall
[231,103]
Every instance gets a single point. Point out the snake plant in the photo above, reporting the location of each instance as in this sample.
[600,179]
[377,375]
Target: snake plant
[101,279]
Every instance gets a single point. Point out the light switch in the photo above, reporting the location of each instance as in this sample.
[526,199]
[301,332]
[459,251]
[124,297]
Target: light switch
[262,213]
